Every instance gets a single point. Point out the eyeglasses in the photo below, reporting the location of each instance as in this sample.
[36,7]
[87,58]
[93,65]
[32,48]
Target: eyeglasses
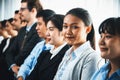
[22,9]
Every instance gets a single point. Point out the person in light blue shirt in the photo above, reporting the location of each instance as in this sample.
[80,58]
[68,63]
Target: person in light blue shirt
[109,44]
[31,60]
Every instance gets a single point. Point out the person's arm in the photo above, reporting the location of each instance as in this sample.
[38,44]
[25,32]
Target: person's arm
[12,52]
[30,61]
[90,66]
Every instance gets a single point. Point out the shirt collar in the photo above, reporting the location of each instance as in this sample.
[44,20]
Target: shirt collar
[82,48]
[29,27]
[106,67]
[56,51]
[77,52]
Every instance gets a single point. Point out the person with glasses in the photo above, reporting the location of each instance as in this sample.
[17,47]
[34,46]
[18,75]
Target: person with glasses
[29,63]
[27,37]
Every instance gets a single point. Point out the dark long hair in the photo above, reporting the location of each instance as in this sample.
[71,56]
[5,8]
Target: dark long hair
[85,17]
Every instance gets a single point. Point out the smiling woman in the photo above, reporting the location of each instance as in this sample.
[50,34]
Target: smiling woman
[97,8]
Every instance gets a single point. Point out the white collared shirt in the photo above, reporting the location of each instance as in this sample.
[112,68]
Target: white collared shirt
[54,52]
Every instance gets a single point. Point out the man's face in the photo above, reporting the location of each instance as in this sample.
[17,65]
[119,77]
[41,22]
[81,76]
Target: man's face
[24,12]
[17,21]
[41,27]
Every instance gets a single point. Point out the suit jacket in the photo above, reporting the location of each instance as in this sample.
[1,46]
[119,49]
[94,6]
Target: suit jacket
[45,69]
[4,43]
[17,56]
[4,72]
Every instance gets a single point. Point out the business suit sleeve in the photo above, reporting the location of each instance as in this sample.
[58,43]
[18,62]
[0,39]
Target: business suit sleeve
[12,52]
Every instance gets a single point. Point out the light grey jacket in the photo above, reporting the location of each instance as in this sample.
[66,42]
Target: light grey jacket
[83,66]
[86,65]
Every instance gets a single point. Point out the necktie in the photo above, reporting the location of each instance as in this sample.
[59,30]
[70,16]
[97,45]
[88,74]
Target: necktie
[24,39]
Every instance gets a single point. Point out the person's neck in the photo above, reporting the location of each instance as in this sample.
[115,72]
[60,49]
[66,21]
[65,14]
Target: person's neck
[114,65]
[31,21]
[59,44]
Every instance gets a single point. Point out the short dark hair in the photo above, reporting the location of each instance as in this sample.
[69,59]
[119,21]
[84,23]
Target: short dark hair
[16,11]
[45,14]
[10,20]
[110,25]
[3,23]
[33,4]
[57,20]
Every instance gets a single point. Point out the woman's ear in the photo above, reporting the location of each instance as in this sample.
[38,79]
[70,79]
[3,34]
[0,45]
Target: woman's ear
[88,29]
[33,9]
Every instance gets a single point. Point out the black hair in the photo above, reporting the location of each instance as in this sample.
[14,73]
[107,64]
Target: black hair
[10,20]
[111,26]
[85,17]
[45,14]
[57,20]
[3,24]
[33,4]
[17,11]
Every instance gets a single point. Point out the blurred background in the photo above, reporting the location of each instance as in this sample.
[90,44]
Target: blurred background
[99,9]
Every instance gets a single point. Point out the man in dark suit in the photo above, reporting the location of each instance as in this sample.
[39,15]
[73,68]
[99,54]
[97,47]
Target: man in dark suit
[27,36]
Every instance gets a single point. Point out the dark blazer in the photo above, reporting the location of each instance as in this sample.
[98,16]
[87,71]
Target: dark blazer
[45,68]
[16,55]
[3,44]
[4,72]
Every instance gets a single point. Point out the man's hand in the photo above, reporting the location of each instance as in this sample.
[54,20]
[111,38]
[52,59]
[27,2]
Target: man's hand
[20,78]
[15,69]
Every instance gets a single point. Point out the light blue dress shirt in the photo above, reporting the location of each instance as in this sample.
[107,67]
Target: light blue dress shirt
[31,60]
[103,73]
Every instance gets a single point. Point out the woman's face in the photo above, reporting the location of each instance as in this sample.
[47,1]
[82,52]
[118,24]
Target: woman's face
[53,34]
[110,46]
[74,30]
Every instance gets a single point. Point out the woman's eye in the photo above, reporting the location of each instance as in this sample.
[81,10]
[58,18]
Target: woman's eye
[64,27]
[108,36]
[74,27]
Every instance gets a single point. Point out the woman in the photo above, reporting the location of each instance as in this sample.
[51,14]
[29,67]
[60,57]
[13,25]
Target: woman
[49,60]
[109,44]
[80,61]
